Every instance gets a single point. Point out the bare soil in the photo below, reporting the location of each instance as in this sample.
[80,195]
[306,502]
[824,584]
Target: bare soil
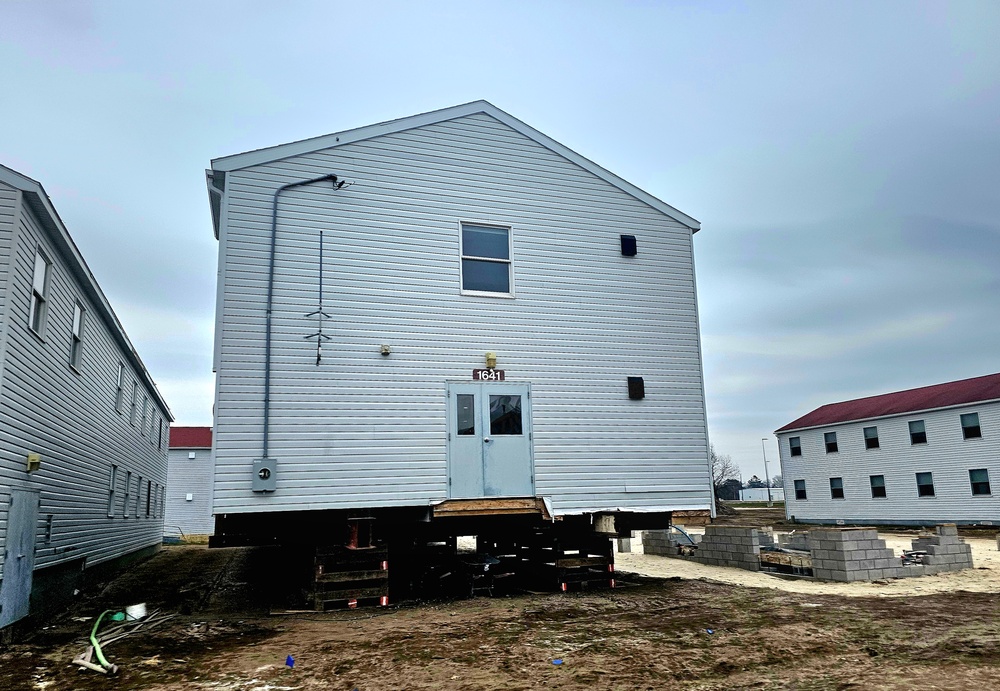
[652,633]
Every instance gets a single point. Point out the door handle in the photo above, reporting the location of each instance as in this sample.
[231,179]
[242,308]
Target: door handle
[487,440]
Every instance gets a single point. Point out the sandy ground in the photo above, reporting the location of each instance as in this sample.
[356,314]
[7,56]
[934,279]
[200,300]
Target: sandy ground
[984,578]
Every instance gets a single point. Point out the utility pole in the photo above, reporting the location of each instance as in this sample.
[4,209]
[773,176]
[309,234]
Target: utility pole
[767,477]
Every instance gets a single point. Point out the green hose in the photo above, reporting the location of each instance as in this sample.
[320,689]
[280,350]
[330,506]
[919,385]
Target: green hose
[97,646]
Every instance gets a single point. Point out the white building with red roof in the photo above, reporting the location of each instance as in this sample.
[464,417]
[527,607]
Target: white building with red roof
[189,483]
[921,456]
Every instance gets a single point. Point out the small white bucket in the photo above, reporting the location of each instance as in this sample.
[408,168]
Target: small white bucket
[135,612]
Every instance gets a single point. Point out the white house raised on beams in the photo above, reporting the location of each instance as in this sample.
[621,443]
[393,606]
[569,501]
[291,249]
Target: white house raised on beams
[83,448]
[451,305]
[921,456]
[188,509]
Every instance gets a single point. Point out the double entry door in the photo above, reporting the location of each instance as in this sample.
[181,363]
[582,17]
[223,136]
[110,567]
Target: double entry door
[489,440]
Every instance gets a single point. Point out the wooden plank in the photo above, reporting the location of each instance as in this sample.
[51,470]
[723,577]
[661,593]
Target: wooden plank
[341,576]
[581,561]
[491,507]
[351,594]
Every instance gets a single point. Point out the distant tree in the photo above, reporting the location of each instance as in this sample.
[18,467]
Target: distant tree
[723,471]
[776,481]
[730,490]
[755,483]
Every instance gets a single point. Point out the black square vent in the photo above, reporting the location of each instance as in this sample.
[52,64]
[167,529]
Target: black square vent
[628,246]
[636,388]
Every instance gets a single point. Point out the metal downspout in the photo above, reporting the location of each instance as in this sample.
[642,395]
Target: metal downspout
[270,298]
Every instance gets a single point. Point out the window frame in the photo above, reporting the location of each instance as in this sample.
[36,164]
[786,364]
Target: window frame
[873,486]
[127,496]
[973,483]
[923,431]
[138,496]
[864,434]
[965,428]
[834,488]
[135,402]
[76,336]
[120,392]
[920,491]
[797,449]
[38,304]
[112,485]
[462,256]
[797,489]
[827,443]
[145,413]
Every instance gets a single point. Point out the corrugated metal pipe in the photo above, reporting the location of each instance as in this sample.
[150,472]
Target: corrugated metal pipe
[270,294]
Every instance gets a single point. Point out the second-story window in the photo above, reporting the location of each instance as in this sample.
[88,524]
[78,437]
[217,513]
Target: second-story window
[120,391]
[76,339]
[918,433]
[830,439]
[142,420]
[39,293]
[486,262]
[871,437]
[795,446]
[135,402]
[970,426]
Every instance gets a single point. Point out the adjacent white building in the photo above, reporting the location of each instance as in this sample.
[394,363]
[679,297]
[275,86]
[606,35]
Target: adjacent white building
[450,305]
[921,456]
[189,483]
[83,429]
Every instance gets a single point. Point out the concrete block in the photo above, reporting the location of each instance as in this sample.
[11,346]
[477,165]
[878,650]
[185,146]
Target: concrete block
[947,529]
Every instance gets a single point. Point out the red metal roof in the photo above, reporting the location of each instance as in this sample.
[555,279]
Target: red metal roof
[190,437]
[985,388]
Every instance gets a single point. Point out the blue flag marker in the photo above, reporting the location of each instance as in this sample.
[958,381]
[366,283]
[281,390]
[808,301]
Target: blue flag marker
[289,661]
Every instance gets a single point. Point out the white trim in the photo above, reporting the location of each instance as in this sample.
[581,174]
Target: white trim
[510,294]
[329,141]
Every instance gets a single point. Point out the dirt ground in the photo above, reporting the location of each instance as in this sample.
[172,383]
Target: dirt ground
[680,631]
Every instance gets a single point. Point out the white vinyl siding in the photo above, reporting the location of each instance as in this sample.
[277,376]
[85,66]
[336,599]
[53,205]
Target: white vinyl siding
[946,455]
[584,319]
[66,418]
[189,476]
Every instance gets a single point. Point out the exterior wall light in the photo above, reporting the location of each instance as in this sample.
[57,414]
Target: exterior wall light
[491,360]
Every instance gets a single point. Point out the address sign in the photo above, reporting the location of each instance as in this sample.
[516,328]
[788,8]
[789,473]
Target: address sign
[488,375]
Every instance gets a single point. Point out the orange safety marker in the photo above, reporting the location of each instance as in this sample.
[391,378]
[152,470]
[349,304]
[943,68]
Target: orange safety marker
[612,583]
[353,604]
[383,601]
[564,587]
[385,566]
[611,568]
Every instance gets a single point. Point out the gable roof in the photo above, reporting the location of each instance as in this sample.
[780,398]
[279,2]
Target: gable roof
[975,390]
[190,437]
[227,164]
[36,199]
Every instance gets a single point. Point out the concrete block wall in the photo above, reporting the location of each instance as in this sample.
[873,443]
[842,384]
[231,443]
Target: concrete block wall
[799,541]
[665,542]
[945,552]
[851,554]
[730,546]
[857,554]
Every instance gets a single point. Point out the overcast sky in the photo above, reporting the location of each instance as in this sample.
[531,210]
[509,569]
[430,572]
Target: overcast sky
[843,158]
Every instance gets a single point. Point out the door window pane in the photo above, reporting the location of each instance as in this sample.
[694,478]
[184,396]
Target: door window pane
[466,407]
[505,414]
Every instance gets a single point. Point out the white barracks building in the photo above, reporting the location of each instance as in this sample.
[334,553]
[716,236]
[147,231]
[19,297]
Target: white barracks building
[922,456]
